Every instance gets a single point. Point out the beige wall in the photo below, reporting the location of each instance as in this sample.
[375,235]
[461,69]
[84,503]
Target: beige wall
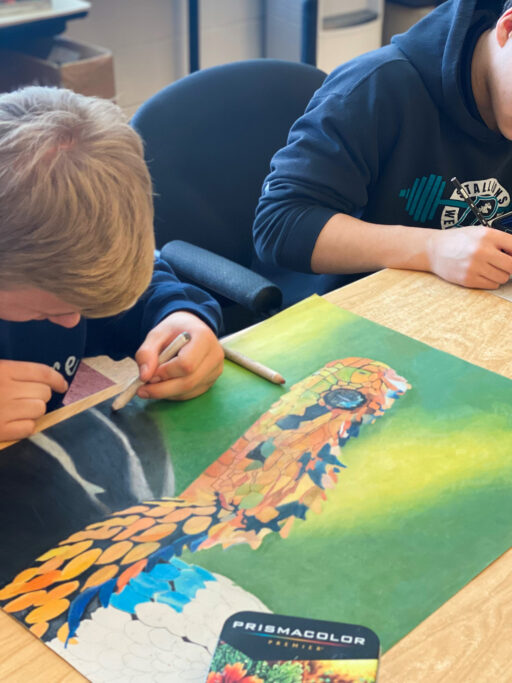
[149,39]
[399,18]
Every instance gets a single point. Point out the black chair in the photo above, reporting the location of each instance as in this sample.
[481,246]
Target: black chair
[209,138]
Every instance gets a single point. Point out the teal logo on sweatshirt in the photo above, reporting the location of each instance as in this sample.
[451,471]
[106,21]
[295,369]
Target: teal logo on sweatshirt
[425,198]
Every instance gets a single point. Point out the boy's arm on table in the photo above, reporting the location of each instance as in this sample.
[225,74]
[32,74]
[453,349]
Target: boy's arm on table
[473,256]
[323,178]
[167,308]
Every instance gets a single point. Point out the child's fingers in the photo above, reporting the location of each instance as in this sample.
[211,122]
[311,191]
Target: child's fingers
[187,386]
[34,373]
[147,355]
[19,429]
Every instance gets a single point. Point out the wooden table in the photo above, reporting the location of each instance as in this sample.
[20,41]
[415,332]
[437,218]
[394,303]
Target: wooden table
[468,639]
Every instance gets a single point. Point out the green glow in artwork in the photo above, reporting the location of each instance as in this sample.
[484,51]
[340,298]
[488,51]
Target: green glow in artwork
[424,504]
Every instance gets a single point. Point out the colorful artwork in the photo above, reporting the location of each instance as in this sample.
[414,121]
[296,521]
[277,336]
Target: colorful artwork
[75,473]
[277,472]
[381,533]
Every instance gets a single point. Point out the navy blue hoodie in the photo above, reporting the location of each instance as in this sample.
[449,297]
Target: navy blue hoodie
[383,136]
[119,336]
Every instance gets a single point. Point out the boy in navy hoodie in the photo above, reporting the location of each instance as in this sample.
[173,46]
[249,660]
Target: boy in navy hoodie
[378,145]
[77,270]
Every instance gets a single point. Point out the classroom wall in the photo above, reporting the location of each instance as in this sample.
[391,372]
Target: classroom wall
[399,18]
[149,39]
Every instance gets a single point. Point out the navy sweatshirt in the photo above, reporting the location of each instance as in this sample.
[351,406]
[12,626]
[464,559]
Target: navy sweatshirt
[383,136]
[119,336]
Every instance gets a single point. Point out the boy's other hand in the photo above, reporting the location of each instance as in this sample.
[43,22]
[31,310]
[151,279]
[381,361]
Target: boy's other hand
[192,371]
[25,389]
[473,256]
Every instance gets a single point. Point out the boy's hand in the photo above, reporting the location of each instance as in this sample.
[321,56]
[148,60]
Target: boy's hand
[192,371]
[472,256]
[25,389]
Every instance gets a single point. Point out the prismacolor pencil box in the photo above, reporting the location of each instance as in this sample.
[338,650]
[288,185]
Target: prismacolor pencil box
[256,647]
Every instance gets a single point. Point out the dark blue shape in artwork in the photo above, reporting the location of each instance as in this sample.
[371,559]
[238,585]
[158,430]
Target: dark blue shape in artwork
[78,607]
[294,421]
[256,453]
[106,590]
[326,456]
[344,399]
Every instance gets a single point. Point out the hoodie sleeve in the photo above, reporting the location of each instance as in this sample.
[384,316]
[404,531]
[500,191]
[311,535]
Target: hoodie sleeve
[329,163]
[121,335]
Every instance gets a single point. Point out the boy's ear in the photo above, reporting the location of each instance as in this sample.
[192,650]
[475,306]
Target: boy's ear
[504,28]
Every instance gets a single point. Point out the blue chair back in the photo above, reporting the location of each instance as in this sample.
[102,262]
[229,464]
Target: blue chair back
[209,139]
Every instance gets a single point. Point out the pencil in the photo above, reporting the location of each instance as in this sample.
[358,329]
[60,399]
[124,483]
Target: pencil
[169,352]
[253,366]
[470,202]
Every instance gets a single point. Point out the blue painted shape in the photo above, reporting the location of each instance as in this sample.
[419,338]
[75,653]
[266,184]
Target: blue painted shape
[175,600]
[148,585]
[165,571]
[106,590]
[325,455]
[293,509]
[294,421]
[165,554]
[203,573]
[256,454]
[78,607]
[344,399]
[253,524]
[179,563]
[188,583]
[196,542]
[304,460]
[317,473]
[128,599]
[267,448]
[353,430]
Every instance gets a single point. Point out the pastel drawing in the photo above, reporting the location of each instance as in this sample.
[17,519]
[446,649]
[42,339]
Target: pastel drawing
[277,472]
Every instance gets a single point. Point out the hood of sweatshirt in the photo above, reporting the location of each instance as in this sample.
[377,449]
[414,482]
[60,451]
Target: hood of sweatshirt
[435,47]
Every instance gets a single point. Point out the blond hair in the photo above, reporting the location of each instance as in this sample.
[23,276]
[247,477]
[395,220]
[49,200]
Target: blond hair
[76,209]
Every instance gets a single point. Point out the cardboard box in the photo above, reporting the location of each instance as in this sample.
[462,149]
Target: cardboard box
[84,68]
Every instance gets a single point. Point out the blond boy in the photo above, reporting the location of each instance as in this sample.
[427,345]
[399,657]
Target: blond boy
[77,270]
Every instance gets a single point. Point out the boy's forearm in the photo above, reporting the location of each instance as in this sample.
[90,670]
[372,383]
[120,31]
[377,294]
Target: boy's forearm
[349,245]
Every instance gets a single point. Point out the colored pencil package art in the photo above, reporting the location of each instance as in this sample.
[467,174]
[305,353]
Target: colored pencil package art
[256,647]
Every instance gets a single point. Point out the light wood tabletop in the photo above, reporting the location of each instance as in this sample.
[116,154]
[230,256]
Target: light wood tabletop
[468,639]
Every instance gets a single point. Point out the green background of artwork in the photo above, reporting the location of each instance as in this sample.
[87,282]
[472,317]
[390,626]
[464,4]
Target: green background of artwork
[423,506]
